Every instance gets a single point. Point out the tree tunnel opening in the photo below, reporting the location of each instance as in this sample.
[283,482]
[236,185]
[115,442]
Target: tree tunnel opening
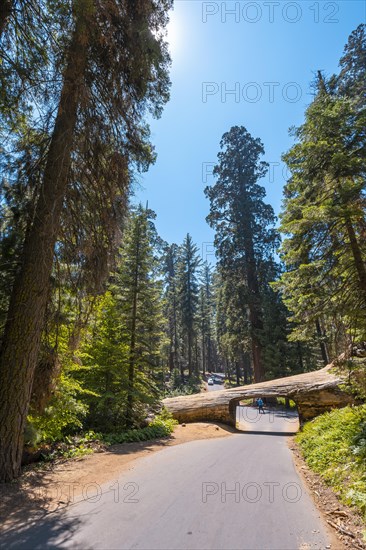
[279,415]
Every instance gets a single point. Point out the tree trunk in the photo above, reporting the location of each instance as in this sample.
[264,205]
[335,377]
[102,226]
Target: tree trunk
[255,315]
[256,351]
[181,368]
[246,368]
[5,10]
[323,347]
[171,358]
[357,256]
[196,364]
[171,345]
[131,365]
[190,353]
[314,393]
[28,302]
[237,372]
[299,355]
[176,358]
[209,351]
[228,370]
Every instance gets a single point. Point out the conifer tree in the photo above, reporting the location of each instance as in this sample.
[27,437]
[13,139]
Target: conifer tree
[170,266]
[138,295]
[324,208]
[189,262]
[244,223]
[207,319]
[122,352]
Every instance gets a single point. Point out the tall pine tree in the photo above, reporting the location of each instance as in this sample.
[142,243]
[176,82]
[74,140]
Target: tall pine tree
[324,208]
[245,236]
[189,262]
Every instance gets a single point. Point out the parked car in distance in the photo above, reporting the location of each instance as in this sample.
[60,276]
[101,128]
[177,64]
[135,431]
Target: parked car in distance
[210,382]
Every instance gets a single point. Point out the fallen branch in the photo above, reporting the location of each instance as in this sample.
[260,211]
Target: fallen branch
[340,529]
[338,513]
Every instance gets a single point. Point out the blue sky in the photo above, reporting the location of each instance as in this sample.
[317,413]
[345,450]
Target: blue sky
[266,54]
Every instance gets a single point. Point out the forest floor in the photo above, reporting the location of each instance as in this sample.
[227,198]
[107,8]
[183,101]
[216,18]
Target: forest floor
[46,487]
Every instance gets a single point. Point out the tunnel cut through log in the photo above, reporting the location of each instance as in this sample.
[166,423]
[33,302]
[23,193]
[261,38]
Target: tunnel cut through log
[313,392]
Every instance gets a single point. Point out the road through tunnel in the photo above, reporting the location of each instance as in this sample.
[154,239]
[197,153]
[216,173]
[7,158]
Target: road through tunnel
[274,418]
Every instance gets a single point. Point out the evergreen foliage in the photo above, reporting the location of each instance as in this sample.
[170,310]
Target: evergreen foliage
[188,292]
[245,240]
[323,216]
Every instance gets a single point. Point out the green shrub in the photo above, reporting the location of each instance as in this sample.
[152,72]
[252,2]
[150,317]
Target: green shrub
[181,390]
[162,426]
[73,446]
[63,414]
[334,446]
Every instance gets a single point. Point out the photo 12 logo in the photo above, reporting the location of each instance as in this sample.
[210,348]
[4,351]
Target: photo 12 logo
[69,493]
[270,12]
[251,415]
[251,92]
[252,492]
[277,172]
[208,252]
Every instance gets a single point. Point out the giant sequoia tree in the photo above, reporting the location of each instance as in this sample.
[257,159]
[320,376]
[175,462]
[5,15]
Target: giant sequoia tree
[244,224]
[113,69]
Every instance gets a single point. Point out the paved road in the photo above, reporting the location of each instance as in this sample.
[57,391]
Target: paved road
[215,387]
[249,419]
[237,492]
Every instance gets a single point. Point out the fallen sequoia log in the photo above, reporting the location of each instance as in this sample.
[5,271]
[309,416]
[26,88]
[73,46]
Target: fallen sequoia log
[313,392]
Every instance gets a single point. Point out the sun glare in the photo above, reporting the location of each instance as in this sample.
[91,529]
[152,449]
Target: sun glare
[174,33]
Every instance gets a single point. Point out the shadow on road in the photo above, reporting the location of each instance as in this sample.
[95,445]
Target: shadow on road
[40,531]
[261,432]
